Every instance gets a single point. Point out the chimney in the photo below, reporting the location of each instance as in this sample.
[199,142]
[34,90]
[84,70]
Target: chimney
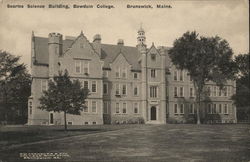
[120,42]
[97,43]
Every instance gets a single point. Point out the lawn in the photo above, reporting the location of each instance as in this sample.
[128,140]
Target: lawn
[11,135]
[171,142]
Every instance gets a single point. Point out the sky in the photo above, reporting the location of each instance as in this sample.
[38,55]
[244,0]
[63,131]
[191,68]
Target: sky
[228,19]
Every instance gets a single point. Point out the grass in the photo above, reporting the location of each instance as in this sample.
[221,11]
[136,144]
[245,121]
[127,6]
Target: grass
[10,135]
[172,142]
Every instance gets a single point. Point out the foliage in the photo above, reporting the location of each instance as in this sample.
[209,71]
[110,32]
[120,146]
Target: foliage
[64,95]
[241,98]
[14,87]
[205,58]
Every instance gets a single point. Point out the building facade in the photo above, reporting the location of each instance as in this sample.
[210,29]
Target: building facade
[127,84]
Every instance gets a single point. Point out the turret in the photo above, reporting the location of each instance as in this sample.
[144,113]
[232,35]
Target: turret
[141,39]
[97,43]
[55,51]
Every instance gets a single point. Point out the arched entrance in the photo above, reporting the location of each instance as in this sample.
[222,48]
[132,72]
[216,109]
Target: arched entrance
[153,113]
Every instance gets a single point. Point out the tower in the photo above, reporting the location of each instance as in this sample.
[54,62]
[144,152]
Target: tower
[141,38]
[55,50]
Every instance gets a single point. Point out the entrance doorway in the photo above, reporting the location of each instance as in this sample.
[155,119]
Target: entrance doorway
[153,113]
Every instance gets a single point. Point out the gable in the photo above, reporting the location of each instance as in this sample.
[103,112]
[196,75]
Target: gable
[81,49]
[154,57]
[119,61]
[110,52]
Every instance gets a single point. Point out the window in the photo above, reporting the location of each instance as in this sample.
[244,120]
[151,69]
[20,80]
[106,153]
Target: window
[215,91]
[225,91]
[135,75]
[86,107]
[117,108]
[209,109]
[78,66]
[44,85]
[175,109]
[94,106]
[153,73]
[117,73]
[86,67]
[94,86]
[124,73]
[30,108]
[214,109]
[124,108]
[209,91]
[191,108]
[153,91]
[175,75]
[105,107]
[117,89]
[136,109]
[220,109]
[70,123]
[124,89]
[181,75]
[181,91]
[105,74]
[105,88]
[175,92]
[228,91]
[153,57]
[225,109]
[94,123]
[182,109]
[191,92]
[219,90]
[86,123]
[86,84]
[136,91]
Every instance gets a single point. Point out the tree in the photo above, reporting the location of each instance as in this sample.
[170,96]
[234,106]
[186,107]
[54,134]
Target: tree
[241,98]
[205,59]
[15,87]
[64,95]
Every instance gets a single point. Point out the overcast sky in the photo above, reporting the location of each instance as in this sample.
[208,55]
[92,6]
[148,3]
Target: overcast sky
[227,19]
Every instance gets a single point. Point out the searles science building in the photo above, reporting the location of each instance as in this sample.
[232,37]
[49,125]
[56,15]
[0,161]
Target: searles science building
[127,84]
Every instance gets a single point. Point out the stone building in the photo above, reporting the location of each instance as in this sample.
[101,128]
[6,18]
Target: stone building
[127,84]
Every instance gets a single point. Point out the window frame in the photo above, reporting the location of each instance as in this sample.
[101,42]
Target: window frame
[153,73]
[182,109]
[93,82]
[136,107]
[78,66]
[176,109]
[124,108]
[117,107]
[93,107]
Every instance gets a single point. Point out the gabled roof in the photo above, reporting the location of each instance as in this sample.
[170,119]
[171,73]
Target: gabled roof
[108,52]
